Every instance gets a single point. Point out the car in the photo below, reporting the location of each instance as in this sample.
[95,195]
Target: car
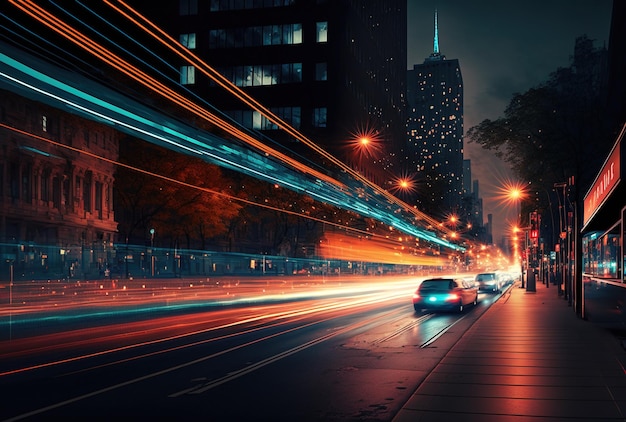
[445,294]
[489,282]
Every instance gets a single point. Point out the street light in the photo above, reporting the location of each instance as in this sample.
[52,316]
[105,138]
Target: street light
[152,257]
[514,193]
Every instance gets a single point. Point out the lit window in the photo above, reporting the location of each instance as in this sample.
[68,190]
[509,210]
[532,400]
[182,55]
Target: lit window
[322,32]
[187,75]
[188,40]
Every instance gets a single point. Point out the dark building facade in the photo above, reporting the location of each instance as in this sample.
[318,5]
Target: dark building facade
[56,208]
[334,70]
[434,152]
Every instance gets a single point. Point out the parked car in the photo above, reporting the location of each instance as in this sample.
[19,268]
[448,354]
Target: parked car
[489,282]
[445,294]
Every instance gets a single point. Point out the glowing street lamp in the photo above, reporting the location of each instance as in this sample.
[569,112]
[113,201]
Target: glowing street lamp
[366,142]
[515,193]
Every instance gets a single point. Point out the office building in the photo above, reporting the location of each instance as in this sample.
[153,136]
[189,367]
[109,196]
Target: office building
[334,70]
[434,152]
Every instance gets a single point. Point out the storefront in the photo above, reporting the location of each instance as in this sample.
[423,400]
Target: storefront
[603,233]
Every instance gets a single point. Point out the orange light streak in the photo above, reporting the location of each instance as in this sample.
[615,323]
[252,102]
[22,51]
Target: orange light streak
[194,60]
[185,184]
[336,246]
[81,40]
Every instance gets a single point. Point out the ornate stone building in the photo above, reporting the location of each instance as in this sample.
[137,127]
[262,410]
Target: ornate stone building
[56,190]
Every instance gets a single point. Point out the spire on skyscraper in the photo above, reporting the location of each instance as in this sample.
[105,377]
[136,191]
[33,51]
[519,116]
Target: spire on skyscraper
[435,55]
[436,41]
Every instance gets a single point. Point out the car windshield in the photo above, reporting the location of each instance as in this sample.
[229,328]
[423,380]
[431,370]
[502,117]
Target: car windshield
[439,285]
[485,277]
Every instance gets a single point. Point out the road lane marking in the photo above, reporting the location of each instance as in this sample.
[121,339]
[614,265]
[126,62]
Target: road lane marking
[440,333]
[236,374]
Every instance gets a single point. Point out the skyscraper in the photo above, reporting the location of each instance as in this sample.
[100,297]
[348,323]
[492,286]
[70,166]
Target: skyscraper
[334,70]
[435,131]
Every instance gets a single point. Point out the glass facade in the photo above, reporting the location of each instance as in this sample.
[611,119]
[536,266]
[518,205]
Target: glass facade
[255,36]
[602,254]
[222,5]
[263,74]
[254,120]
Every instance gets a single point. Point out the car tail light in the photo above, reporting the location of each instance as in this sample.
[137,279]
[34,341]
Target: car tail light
[452,297]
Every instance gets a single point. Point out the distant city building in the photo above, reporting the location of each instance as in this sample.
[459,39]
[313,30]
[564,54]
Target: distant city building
[467,177]
[334,70]
[434,152]
[55,191]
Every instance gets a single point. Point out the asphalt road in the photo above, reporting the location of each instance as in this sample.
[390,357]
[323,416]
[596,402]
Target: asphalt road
[356,353]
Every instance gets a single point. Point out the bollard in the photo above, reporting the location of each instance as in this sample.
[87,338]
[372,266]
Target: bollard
[531,281]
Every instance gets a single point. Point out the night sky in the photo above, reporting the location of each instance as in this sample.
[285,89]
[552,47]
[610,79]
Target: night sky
[503,47]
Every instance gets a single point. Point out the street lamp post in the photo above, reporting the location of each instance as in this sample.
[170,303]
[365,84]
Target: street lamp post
[514,193]
[152,257]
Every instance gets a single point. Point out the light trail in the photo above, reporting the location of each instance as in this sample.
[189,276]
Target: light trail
[354,299]
[324,188]
[194,60]
[185,184]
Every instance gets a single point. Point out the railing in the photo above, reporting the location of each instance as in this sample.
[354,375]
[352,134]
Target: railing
[120,261]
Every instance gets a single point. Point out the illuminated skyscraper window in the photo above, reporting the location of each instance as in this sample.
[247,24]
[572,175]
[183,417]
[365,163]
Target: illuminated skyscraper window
[322,32]
[188,40]
[187,75]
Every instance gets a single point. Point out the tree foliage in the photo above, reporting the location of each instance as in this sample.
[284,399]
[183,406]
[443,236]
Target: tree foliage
[185,199]
[557,129]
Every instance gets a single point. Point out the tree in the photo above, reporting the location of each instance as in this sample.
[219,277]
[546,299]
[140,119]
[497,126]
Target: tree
[555,130]
[184,198]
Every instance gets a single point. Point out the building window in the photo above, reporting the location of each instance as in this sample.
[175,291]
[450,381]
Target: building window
[256,36]
[87,192]
[187,75]
[98,199]
[45,186]
[77,188]
[321,71]
[56,192]
[188,41]
[321,32]
[262,75]
[319,117]
[255,120]
[27,186]
[15,181]
[217,5]
[188,7]
[44,123]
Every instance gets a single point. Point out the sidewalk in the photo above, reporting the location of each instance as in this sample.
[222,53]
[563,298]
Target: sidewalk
[528,358]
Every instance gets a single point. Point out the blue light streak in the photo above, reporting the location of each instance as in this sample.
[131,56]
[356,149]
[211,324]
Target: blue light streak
[156,127]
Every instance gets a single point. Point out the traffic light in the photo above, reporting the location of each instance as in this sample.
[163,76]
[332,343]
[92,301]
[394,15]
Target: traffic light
[534,227]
